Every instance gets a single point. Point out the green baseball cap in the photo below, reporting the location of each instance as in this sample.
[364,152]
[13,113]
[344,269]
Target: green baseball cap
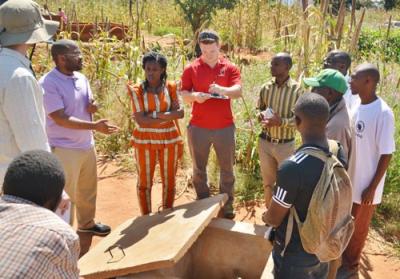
[328,78]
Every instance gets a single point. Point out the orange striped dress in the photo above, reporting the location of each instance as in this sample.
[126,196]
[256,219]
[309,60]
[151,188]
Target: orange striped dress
[154,143]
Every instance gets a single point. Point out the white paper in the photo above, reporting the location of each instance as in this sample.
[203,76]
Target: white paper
[67,214]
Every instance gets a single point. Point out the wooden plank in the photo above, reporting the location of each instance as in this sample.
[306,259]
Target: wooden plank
[240,227]
[245,244]
[150,242]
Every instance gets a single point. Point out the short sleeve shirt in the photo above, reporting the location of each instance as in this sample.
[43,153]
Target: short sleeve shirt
[281,99]
[71,93]
[198,76]
[296,180]
[372,136]
[154,136]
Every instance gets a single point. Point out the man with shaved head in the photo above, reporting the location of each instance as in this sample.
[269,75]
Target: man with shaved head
[341,61]
[372,147]
[296,180]
[69,106]
[276,101]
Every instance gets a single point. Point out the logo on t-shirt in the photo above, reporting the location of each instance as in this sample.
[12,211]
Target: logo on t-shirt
[222,72]
[76,83]
[279,197]
[360,126]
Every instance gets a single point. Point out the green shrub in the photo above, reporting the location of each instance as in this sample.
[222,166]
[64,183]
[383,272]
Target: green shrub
[165,30]
[375,43]
[389,4]
[387,218]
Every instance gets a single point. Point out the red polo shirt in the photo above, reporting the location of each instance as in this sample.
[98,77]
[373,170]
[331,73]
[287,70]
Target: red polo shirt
[198,76]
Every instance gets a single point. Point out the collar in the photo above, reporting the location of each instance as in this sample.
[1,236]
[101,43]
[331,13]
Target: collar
[163,88]
[313,146]
[287,83]
[64,77]
[15,54]
[335,108]
[15,199]
[221,61]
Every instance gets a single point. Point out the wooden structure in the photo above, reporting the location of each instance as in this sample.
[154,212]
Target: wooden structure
[187,242]
[86,31]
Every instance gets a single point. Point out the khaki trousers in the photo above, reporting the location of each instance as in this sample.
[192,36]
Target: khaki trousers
[200,142]
[80,183]
[271,156]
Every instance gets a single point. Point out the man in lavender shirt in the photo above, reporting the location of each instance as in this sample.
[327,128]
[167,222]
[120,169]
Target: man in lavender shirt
[69,105]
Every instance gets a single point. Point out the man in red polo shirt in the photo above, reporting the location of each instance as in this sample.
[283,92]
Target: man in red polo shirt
[209,83]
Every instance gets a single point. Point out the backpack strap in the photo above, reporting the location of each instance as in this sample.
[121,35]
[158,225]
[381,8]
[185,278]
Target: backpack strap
[333,147]
[289,231]
[320,154]
[316,152]
[289,228]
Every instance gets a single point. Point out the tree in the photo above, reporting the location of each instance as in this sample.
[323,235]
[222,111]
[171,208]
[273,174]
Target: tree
[389,4]
[197,12]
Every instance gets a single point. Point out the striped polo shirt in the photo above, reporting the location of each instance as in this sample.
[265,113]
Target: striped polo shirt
[281,100]
[154,136]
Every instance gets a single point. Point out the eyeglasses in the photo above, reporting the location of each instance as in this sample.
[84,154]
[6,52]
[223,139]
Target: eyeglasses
[74,54]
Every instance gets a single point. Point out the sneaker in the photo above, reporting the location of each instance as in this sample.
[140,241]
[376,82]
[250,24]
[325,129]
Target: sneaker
[98,229]
[228,211]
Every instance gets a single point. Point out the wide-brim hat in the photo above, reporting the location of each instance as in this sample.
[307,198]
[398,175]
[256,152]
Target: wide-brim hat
[22,23]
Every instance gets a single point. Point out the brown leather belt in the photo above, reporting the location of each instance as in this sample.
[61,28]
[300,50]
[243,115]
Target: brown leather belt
[266,137]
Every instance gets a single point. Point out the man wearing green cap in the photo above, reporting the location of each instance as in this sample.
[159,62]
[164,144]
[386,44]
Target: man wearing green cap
[22,116]
[332,85]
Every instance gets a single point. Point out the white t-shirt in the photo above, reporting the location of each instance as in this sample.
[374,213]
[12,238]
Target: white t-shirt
[352,101]
[372,136]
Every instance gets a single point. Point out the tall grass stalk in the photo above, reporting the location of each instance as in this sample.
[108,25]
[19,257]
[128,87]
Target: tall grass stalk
[262,26]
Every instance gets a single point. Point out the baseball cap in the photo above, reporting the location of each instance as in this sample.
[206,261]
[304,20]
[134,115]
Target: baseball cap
[208,36]
[328,78]
[22,23]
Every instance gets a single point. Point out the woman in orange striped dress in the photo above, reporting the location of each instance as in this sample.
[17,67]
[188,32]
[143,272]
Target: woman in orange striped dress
[156,137]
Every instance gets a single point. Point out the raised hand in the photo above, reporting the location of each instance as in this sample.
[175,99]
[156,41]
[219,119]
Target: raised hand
[102,126]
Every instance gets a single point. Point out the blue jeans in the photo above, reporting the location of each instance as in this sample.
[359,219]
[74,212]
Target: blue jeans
[299,265]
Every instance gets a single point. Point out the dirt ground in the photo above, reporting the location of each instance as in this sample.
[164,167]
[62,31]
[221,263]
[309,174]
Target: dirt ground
[117,202]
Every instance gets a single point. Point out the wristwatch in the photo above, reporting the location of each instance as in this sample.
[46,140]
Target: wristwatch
[154,115]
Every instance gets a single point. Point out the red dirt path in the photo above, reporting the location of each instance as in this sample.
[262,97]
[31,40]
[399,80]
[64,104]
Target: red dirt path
[117,202]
